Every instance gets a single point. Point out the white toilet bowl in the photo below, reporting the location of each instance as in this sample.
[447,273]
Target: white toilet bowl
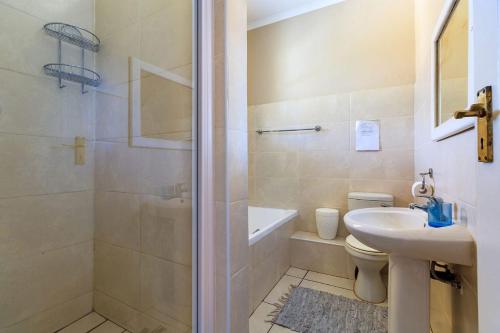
[369,285]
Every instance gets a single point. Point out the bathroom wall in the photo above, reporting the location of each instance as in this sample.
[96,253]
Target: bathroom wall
[231,167]
[347,62]
[46,201]
[143,233]
[454,163]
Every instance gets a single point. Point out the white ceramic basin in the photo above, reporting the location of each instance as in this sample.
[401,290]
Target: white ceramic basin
[405,232]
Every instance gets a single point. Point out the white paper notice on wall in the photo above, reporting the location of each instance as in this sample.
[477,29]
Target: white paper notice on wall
[367,135]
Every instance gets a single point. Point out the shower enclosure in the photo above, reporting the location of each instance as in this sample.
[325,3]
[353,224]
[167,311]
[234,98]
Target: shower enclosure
[98,150]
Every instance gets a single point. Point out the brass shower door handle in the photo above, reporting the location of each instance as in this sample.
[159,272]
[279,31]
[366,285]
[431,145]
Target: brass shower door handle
[483,110]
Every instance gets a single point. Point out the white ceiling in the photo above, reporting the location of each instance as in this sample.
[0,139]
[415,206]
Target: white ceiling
[264,12]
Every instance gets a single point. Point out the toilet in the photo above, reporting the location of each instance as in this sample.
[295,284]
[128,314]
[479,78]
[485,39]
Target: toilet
[369,285]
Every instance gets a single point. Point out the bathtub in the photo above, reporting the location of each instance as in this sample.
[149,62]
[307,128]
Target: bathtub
[269,232]
[263,221]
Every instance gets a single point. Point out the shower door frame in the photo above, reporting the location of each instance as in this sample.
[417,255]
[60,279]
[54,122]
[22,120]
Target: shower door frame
[203,211]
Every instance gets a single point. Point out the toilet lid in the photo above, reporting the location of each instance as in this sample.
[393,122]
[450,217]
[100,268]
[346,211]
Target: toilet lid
[353,242]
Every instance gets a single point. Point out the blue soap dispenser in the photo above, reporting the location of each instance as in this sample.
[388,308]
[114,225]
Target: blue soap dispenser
[439,213]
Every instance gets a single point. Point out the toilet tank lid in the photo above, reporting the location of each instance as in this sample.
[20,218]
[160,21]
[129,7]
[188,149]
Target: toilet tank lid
[371,196]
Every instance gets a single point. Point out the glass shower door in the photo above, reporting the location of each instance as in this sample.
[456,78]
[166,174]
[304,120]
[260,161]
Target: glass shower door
[145,149]
[98,184]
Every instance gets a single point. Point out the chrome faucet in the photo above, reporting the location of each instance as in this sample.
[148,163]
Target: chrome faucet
[432,202]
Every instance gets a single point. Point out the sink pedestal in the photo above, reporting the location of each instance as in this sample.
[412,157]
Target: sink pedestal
[409,284]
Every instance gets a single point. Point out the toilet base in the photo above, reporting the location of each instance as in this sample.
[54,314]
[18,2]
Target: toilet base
[369,285]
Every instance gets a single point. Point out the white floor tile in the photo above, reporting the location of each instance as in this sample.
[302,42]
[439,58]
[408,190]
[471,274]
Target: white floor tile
[330,279]
[281,288]
[259,319]
[108,327]
[327,288]
[297,272]
[84,324]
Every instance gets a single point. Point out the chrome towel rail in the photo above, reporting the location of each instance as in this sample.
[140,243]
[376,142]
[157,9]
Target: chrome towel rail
[316,128]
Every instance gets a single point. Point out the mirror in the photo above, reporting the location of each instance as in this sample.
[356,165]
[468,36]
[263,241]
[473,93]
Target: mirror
[452,57]
[450,83]
[161,107]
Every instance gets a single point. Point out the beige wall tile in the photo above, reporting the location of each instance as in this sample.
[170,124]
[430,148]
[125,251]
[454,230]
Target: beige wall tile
[117,219]
[165,30]
[55,318]
[323,192]
[269,261]
[26,46]
[332,136]
[61,275]
[112,115]
[117,273]
[391,165]
[166,289]
[237,155]
[113,59]
[122,169]
[322,258]
[131,319]
[166,228]
[115,310]
[277,142]
[78,12]
[36,165]
[276,164]
[401,128]
[239,301]
[277,192]
[114,15]
[239,235]
[68,219]
[46,110]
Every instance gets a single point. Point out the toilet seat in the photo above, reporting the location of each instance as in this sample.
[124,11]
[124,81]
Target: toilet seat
[356,245]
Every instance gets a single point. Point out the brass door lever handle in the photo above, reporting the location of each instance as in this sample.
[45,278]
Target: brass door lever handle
[476,110]
[483,110]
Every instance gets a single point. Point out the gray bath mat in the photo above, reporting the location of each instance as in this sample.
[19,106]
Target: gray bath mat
[310,311]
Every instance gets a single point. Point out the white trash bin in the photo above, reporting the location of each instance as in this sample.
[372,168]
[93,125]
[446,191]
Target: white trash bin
[327,222]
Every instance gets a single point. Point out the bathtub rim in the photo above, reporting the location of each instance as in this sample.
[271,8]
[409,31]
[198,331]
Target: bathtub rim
[256,236]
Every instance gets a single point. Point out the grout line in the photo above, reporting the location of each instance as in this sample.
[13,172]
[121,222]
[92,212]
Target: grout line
[327,284]
[98,325]
[88,314]
[45,194]
[176,321]
[140,251]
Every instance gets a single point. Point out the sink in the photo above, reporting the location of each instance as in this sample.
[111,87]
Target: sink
[411,244]
[405,232]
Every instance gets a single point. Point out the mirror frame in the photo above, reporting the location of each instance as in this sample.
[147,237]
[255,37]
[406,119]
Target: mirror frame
[135,134]
[452,126]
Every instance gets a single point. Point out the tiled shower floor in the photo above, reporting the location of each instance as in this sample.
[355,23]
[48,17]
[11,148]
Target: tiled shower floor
[93,323]
[298,277]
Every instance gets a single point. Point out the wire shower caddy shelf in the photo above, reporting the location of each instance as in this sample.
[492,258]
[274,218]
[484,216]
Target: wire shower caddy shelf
[81,38]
